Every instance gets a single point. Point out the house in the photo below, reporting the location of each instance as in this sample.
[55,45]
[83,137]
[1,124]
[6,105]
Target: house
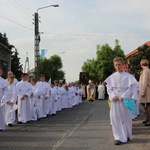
[5,59]
[134,52]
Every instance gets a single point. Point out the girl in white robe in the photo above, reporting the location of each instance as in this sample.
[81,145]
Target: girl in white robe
[11,100]
[119,86]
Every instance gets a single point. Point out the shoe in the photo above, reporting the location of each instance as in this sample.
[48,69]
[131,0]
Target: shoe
[19,122]
[10,125]
[117,142]
[144,121]
[147,124]
[28,121]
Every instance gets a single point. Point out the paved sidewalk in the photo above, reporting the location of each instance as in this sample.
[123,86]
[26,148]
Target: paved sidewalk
[141,133]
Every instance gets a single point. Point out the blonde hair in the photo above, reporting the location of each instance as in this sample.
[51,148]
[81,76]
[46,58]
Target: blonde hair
[144,62]
[118,59]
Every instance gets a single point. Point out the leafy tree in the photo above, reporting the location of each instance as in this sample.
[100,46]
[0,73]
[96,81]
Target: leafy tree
[16,67]
[4,40]
[90,67]
[117,49]
[51,68]
[101,67]
[143,52]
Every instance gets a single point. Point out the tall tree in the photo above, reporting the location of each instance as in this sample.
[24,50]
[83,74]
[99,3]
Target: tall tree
[53,67]
[101,67]
[117,49]
[16,66]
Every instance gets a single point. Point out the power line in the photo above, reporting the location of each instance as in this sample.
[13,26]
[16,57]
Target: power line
[15,23]
[19,8]
[25,6]
[14,11]
[102,35]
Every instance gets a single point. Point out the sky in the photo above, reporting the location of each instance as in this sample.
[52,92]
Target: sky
[75,28]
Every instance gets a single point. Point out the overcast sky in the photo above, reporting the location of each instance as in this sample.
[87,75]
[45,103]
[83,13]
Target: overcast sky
[75,27]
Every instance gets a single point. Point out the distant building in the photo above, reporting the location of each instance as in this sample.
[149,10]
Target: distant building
[5,59]
[31,73]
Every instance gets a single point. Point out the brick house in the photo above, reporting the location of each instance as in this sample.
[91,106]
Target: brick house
[5,59]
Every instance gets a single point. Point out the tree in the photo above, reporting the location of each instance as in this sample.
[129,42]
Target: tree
[101,67]
[53,67]
[16,67]
[143,52]
[117,49]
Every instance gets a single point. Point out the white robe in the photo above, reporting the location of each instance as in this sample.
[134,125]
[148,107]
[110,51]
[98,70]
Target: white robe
[120,84]
[54,98]
[3,92]
[81,92]
[101,91]
[62,92]
[24,113]
[72,91]
[43,92]
[12,97]
[33,103]
[68,99]
[58,98]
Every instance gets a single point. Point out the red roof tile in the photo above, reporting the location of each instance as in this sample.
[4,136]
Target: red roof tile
[136,50]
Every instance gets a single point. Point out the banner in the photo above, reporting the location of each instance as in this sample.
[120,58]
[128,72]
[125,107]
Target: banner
[43,52]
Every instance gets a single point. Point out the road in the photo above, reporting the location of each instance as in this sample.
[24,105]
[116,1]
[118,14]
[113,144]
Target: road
[83,127]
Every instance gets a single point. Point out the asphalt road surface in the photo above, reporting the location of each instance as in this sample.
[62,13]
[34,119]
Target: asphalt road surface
[83,127]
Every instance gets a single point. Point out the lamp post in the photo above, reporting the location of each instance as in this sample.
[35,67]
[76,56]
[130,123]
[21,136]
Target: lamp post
[37,41]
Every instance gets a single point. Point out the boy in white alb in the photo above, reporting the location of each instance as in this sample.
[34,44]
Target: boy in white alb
[43,95]
[119,86]
[24,92]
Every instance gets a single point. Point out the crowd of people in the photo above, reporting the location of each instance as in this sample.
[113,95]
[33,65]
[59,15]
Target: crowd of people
[34,100]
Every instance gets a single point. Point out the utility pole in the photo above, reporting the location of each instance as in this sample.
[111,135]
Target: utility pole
[37,43]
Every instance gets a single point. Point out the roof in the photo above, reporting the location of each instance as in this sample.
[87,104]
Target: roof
[136,50]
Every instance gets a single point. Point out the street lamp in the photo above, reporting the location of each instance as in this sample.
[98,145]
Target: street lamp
[37,40]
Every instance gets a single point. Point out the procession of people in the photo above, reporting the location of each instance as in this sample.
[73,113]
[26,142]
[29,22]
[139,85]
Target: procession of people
[34,100]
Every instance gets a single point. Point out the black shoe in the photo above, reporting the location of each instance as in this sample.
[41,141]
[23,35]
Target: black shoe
[147,124]
[117,142]
[144,121]
[19,122]
[10,125]
[28,121]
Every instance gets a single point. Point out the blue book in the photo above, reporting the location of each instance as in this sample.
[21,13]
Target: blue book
[130,104]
